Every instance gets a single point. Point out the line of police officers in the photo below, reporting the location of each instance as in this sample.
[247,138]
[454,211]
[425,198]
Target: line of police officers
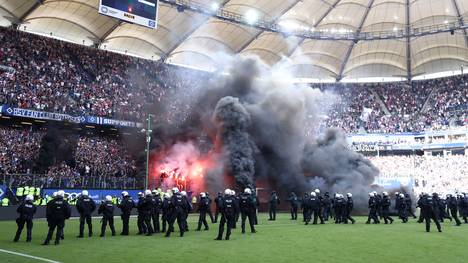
[176,207]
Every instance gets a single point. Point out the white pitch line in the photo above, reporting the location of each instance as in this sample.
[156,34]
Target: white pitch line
[28,256]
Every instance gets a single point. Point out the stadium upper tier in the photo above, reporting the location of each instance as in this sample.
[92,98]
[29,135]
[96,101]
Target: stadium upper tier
[325,39]
[50,75]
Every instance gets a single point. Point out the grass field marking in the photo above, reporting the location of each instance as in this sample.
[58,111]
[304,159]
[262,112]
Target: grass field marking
[28,256]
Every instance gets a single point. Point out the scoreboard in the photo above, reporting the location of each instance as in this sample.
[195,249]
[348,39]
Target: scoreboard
[142,12]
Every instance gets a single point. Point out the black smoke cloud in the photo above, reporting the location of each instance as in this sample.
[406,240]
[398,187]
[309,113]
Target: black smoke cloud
[233,120]
[272,126]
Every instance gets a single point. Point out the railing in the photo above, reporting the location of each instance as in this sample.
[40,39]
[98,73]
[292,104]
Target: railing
[45,181]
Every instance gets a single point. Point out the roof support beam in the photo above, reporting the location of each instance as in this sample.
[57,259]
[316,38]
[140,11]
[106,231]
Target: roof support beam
[351,46]
[31,9]
[291,6]
[189,33]
[108,32]
[13,17]
[460,20]
[299,43]
[409,72]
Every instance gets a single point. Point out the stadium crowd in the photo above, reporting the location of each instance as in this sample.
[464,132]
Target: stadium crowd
[99,161]
[57,76]
[431,174]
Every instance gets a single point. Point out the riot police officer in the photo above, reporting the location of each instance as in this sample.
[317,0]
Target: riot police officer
[203,206]
[430,212]
[314,207]
[452,208]
[145,207]
[156,202]
[294,204]
[107,210]
[142,227]
[26,213]
[85,207]
[349,208]
[126,206]
[247,210]
[385,203]
[218,201]
[57,211]
[372,204]
[179,210]
[273,203]
[228,213]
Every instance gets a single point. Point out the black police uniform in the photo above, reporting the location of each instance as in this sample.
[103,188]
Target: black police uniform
[326,205]
[157,203]
[107,210]
[247,210]
[145,207]
[294,204]
[315,209]
[348,209]
[409,205]
[126,206]
[203,206]
[26,213]
[57,211]
[372,211]
[85,207]
[339,206]
[142,227]
[273,204]
[430,212]
[167,211]
[305,205]
[179,204]
[453,209]
[218,200]
[385,203]
[209,212]
[228,210]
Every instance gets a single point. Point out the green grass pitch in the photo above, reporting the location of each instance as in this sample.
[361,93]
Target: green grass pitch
[280,241]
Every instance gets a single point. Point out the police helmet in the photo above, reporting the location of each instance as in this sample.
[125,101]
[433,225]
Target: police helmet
[247,191]
[29,198]
[317,191]
[108,198]
[349,194]
[183,193]
[124,193]
[313,194]
[227,191]
[147,192]
[61,193]
[202,194]
[175,190]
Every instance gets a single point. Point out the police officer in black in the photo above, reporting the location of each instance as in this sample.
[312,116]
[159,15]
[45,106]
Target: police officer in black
[26,213]
[107,210]
[247,210]
[421,207]
[179,210]
[348,209]
[294,204]
[228,211]
[452,208]
[443,210]
[315,207]
[306,208]
[463,206]
[85,207]
[385,203]
[339,207]
[157,203]
[402,209]
[167,211]
[203,206]
[145,207]
[209,212]
[430,210]
[142,227]
[126,206]
[372,204]
[57,211]
[218,200]
[409,205]
[272,205]
[326,206]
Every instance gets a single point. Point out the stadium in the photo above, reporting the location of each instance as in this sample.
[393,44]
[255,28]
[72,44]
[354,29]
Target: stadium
[233,130]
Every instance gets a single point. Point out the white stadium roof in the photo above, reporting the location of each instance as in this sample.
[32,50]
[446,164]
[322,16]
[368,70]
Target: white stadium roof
[364,38]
